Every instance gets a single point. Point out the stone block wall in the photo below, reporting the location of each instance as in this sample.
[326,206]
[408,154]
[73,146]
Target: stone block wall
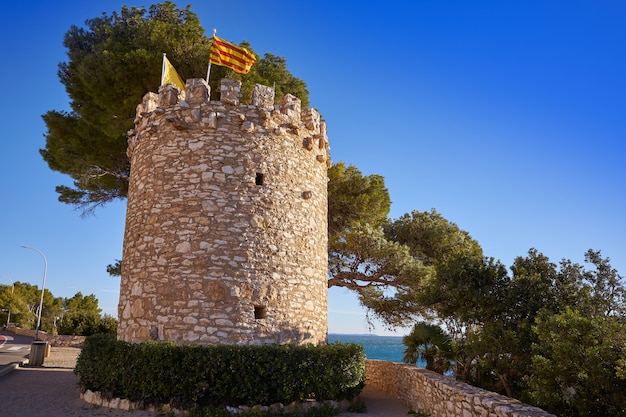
[25,332]
[226,225]
[65,340]
[52,339]
[440,396]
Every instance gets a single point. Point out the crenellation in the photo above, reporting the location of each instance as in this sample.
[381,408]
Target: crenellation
[230,92]
[148,105]
[168,96]
[289,105]
[197,91]
[311,119]
[262,97]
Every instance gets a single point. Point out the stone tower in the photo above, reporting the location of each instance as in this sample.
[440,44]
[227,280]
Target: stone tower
[226,223]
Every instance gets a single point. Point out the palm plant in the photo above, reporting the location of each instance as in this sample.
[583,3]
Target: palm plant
[431,344]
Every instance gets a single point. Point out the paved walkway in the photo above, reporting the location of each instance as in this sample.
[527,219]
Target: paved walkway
[52,390]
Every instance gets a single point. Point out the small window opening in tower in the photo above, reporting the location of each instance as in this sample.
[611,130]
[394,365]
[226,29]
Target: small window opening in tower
[260,312]
[259,178]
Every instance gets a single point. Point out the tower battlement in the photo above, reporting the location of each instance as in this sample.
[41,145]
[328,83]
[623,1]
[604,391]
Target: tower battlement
[193,110]
[226,225]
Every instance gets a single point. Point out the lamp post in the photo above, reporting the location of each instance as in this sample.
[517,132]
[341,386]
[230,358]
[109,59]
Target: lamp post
[12,292]
[43,286]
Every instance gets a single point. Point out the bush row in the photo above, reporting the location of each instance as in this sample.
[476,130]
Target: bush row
[189,376]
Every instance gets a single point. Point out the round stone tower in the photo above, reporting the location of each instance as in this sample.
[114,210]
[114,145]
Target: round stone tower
[226,224]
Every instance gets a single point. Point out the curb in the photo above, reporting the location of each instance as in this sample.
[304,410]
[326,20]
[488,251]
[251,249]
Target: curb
[10,367]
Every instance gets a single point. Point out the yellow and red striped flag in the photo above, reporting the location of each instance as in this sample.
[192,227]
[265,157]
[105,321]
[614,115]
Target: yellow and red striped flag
[232,56]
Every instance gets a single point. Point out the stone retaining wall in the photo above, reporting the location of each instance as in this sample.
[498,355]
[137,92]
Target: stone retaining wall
[440,396]
[65,341]
[23,332]
[99,400]
[53,340]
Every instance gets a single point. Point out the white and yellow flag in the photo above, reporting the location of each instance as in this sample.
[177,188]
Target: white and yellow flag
[169,75]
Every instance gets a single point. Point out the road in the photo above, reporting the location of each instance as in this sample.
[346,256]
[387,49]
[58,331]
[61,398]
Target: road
[13,349]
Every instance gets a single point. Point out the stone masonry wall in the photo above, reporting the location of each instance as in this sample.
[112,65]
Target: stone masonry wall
[440,396]
[53,340]
[65,340]
[226,225]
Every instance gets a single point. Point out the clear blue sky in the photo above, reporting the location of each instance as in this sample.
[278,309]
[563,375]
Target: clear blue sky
[509,118]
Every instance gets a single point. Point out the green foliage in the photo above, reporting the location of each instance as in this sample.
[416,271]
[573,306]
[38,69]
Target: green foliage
[78,323]
[23,301]
[82,317]
[398,269]
[459,277]
[552,335]
[8,303]
[80,302]
[214,376]
[354,199]
[466,290]
[607,294]
[430,343]
[496,351]
[383,273]
[112,62]
[495,357]
[392,265]
[83,323]
[78,315]
[107,325]
[415,266]
[576,364]
[431,238]
[115,270]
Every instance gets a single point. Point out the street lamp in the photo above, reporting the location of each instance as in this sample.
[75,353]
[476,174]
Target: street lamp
[12,292]
[43,286]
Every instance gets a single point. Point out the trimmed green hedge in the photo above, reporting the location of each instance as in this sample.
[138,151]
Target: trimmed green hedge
[189,376]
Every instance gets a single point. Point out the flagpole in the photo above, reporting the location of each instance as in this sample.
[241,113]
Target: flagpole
[163,69]
[208,71]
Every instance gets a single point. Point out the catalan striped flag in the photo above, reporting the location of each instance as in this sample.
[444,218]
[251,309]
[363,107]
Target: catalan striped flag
[232,56]
[169,75]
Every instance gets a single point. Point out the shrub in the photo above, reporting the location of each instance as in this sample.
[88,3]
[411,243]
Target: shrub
[189,376]
[87,324]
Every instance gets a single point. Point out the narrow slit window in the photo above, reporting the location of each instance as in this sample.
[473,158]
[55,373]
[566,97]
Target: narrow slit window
[260,312]
[259,178]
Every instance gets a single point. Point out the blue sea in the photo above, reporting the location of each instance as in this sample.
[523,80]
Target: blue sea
[387,348]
